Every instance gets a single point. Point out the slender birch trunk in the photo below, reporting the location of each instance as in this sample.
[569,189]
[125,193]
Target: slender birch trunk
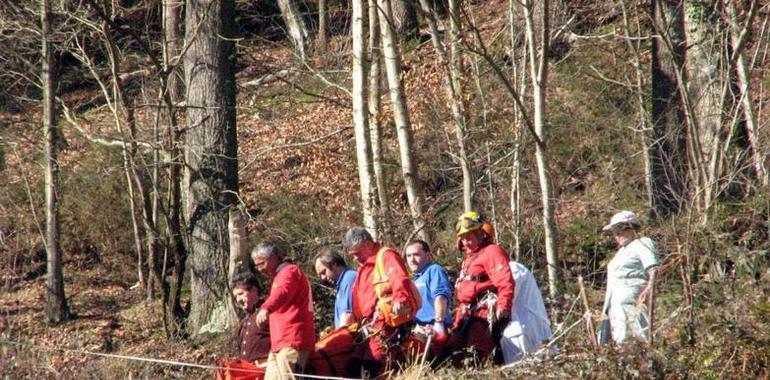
[321,37]
[392,60]
[375,127]
[361,117]
[538,64]
[296,28]
[56,307]
[744,85]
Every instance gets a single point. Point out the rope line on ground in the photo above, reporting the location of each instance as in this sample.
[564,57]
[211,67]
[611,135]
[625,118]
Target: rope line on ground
[155,361]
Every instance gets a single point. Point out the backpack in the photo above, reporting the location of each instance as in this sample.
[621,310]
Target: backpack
[385,295]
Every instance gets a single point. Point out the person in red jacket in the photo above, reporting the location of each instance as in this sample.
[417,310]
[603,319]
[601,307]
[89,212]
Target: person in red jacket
[289,310]
[484,290]
[370,357]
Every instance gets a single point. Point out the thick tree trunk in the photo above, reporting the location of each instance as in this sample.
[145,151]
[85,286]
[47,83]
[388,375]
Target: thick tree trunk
[668,152]
[375,127]
[211,170]
[56,307]
[705,80]
[538,64]
[392,58]
[404,17]
[295,27]
[361,117]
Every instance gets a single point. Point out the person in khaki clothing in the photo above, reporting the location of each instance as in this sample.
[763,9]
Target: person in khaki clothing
[289,311]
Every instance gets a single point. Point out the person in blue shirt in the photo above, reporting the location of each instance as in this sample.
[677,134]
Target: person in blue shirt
[435,289]
[332,269]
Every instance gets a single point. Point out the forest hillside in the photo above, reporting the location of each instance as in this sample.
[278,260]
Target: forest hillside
[147,145]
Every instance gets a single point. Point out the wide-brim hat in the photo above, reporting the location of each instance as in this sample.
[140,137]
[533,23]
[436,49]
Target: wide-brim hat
[624,217]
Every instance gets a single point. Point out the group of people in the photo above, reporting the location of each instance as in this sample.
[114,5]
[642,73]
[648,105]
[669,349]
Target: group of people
[492,311]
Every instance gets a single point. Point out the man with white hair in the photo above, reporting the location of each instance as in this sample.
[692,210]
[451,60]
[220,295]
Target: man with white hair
[630,278]
[289,309]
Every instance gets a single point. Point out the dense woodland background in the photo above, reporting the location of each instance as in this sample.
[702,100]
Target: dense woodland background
[145,145]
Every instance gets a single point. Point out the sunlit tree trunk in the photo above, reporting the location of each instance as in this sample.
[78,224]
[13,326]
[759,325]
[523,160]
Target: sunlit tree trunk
[705,71]
[375,127]
[296,28]
[321,37]
[211,170]
[392,58]
[737,33]
[361,117]
[538,65]
[56,307]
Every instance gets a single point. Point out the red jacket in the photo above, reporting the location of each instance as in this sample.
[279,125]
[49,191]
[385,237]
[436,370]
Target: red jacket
[486,269]
[290,310]
[364,296]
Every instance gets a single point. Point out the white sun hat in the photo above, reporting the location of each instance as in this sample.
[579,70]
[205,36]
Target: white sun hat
[623,217]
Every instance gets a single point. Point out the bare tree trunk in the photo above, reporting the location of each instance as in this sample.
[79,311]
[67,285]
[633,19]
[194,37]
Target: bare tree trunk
[744,84]
[296,28]
[172,13]
[321,37]
[518,74]
[173,81]
[404,18]
[453,74]
[56,307]
[705,80]
[375,127]
[361,118]
[392,58]
[538,64]
[211,171]
[668,150]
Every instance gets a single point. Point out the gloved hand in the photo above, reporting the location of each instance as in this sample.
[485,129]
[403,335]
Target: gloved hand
[438,328]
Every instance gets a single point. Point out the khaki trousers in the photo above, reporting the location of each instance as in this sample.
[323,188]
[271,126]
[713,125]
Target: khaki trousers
[283,364]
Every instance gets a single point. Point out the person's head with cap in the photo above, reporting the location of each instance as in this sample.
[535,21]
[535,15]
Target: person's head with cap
[622,226]
[472,234]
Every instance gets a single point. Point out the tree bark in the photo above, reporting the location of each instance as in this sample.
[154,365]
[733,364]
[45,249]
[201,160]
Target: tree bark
[172,13]
[744,85]
[404,18]
[361,118]
[392,59]
[56,308]
[538,65]
[321,37]
[295,27]
[705,80]
[173,81]
[375,127]
[668,146]
[211,176]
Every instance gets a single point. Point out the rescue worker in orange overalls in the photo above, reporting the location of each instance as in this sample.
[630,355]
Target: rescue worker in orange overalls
[484,291]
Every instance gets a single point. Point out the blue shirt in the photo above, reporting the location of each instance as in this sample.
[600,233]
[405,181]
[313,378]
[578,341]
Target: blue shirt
[432,281]
[344,301]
